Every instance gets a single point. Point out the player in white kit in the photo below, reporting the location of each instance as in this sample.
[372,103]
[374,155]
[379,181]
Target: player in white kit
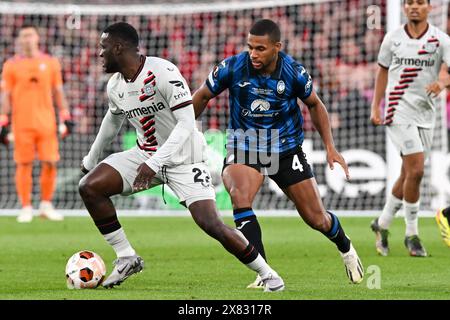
[410,60]
[152,94]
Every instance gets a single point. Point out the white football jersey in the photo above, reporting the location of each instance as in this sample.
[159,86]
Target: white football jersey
[148,101]
[413,64]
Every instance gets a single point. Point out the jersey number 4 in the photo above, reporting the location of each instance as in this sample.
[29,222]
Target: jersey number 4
[296,165]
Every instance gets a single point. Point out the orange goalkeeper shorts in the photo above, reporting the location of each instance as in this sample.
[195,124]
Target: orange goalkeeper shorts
[29,143]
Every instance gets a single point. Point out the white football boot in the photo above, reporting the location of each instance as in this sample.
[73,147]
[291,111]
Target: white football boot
[273,282]
[257,284]
[123,268]
[25,215]
[46,211]
[353,265]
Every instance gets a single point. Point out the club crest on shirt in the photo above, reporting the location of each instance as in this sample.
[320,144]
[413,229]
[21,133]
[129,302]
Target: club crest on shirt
[281,87]
[430,46]
[148,89]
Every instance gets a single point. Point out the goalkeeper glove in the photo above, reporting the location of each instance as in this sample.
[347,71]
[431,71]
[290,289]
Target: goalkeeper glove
[4,129]
[66,124]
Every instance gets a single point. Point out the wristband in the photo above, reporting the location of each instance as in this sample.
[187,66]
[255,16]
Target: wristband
[4,120]
[64,115]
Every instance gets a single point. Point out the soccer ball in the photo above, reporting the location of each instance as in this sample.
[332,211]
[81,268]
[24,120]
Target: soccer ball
[85,270]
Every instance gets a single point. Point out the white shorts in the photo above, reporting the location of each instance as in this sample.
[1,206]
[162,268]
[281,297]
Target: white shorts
[410,139]
[189,182]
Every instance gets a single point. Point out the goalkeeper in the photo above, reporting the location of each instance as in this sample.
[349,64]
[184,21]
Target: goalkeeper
[30,80]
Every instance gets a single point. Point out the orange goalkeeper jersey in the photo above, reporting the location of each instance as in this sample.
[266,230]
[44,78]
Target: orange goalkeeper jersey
[30,82]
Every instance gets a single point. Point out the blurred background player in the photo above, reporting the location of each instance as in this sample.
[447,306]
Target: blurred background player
[30,81]
[410,60]
[169,150]
[264,85]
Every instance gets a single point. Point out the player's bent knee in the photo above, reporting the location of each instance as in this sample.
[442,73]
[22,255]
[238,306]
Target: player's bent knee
[83,188]
[87,188]
[240,197]
[415,173]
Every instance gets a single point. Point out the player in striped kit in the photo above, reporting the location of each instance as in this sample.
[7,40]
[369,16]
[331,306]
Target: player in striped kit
[410,60]
[264,86]
[152,94]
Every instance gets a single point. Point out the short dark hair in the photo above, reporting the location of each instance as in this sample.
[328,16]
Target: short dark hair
[123,31]
[25,25]
[266,27]
[429,1]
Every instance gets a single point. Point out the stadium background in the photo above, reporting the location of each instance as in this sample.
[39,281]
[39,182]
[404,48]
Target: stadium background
[337,41]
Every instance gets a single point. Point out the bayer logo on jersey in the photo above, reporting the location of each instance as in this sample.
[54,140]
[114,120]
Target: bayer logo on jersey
[149,90]
[431,47]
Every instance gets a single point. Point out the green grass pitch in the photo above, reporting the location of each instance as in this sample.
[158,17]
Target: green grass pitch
[184,263]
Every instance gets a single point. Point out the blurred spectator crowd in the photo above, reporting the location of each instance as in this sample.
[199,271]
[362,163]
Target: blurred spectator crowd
[331,39]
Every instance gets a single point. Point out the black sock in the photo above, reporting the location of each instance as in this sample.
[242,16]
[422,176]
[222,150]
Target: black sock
[108,225]
[248,255]
[247,223]
[446,213]
[337,234]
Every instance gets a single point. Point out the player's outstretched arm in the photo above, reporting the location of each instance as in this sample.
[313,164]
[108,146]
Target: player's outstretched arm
[109,129]
[381,80]
[200,99]
[321,121]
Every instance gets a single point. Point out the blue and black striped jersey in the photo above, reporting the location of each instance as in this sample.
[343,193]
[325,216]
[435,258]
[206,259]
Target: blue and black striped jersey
[265,104]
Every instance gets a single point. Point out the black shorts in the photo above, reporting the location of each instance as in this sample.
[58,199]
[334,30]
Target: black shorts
[293,168]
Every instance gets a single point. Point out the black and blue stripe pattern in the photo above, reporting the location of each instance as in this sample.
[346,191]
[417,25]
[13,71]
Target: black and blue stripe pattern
[263,103]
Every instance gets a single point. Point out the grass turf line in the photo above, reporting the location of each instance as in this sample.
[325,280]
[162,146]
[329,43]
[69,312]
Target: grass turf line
[184,263]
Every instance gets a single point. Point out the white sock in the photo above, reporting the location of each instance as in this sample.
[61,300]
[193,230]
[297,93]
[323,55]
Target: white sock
[118,240]
[261,267]
[393,204]
[411,217]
